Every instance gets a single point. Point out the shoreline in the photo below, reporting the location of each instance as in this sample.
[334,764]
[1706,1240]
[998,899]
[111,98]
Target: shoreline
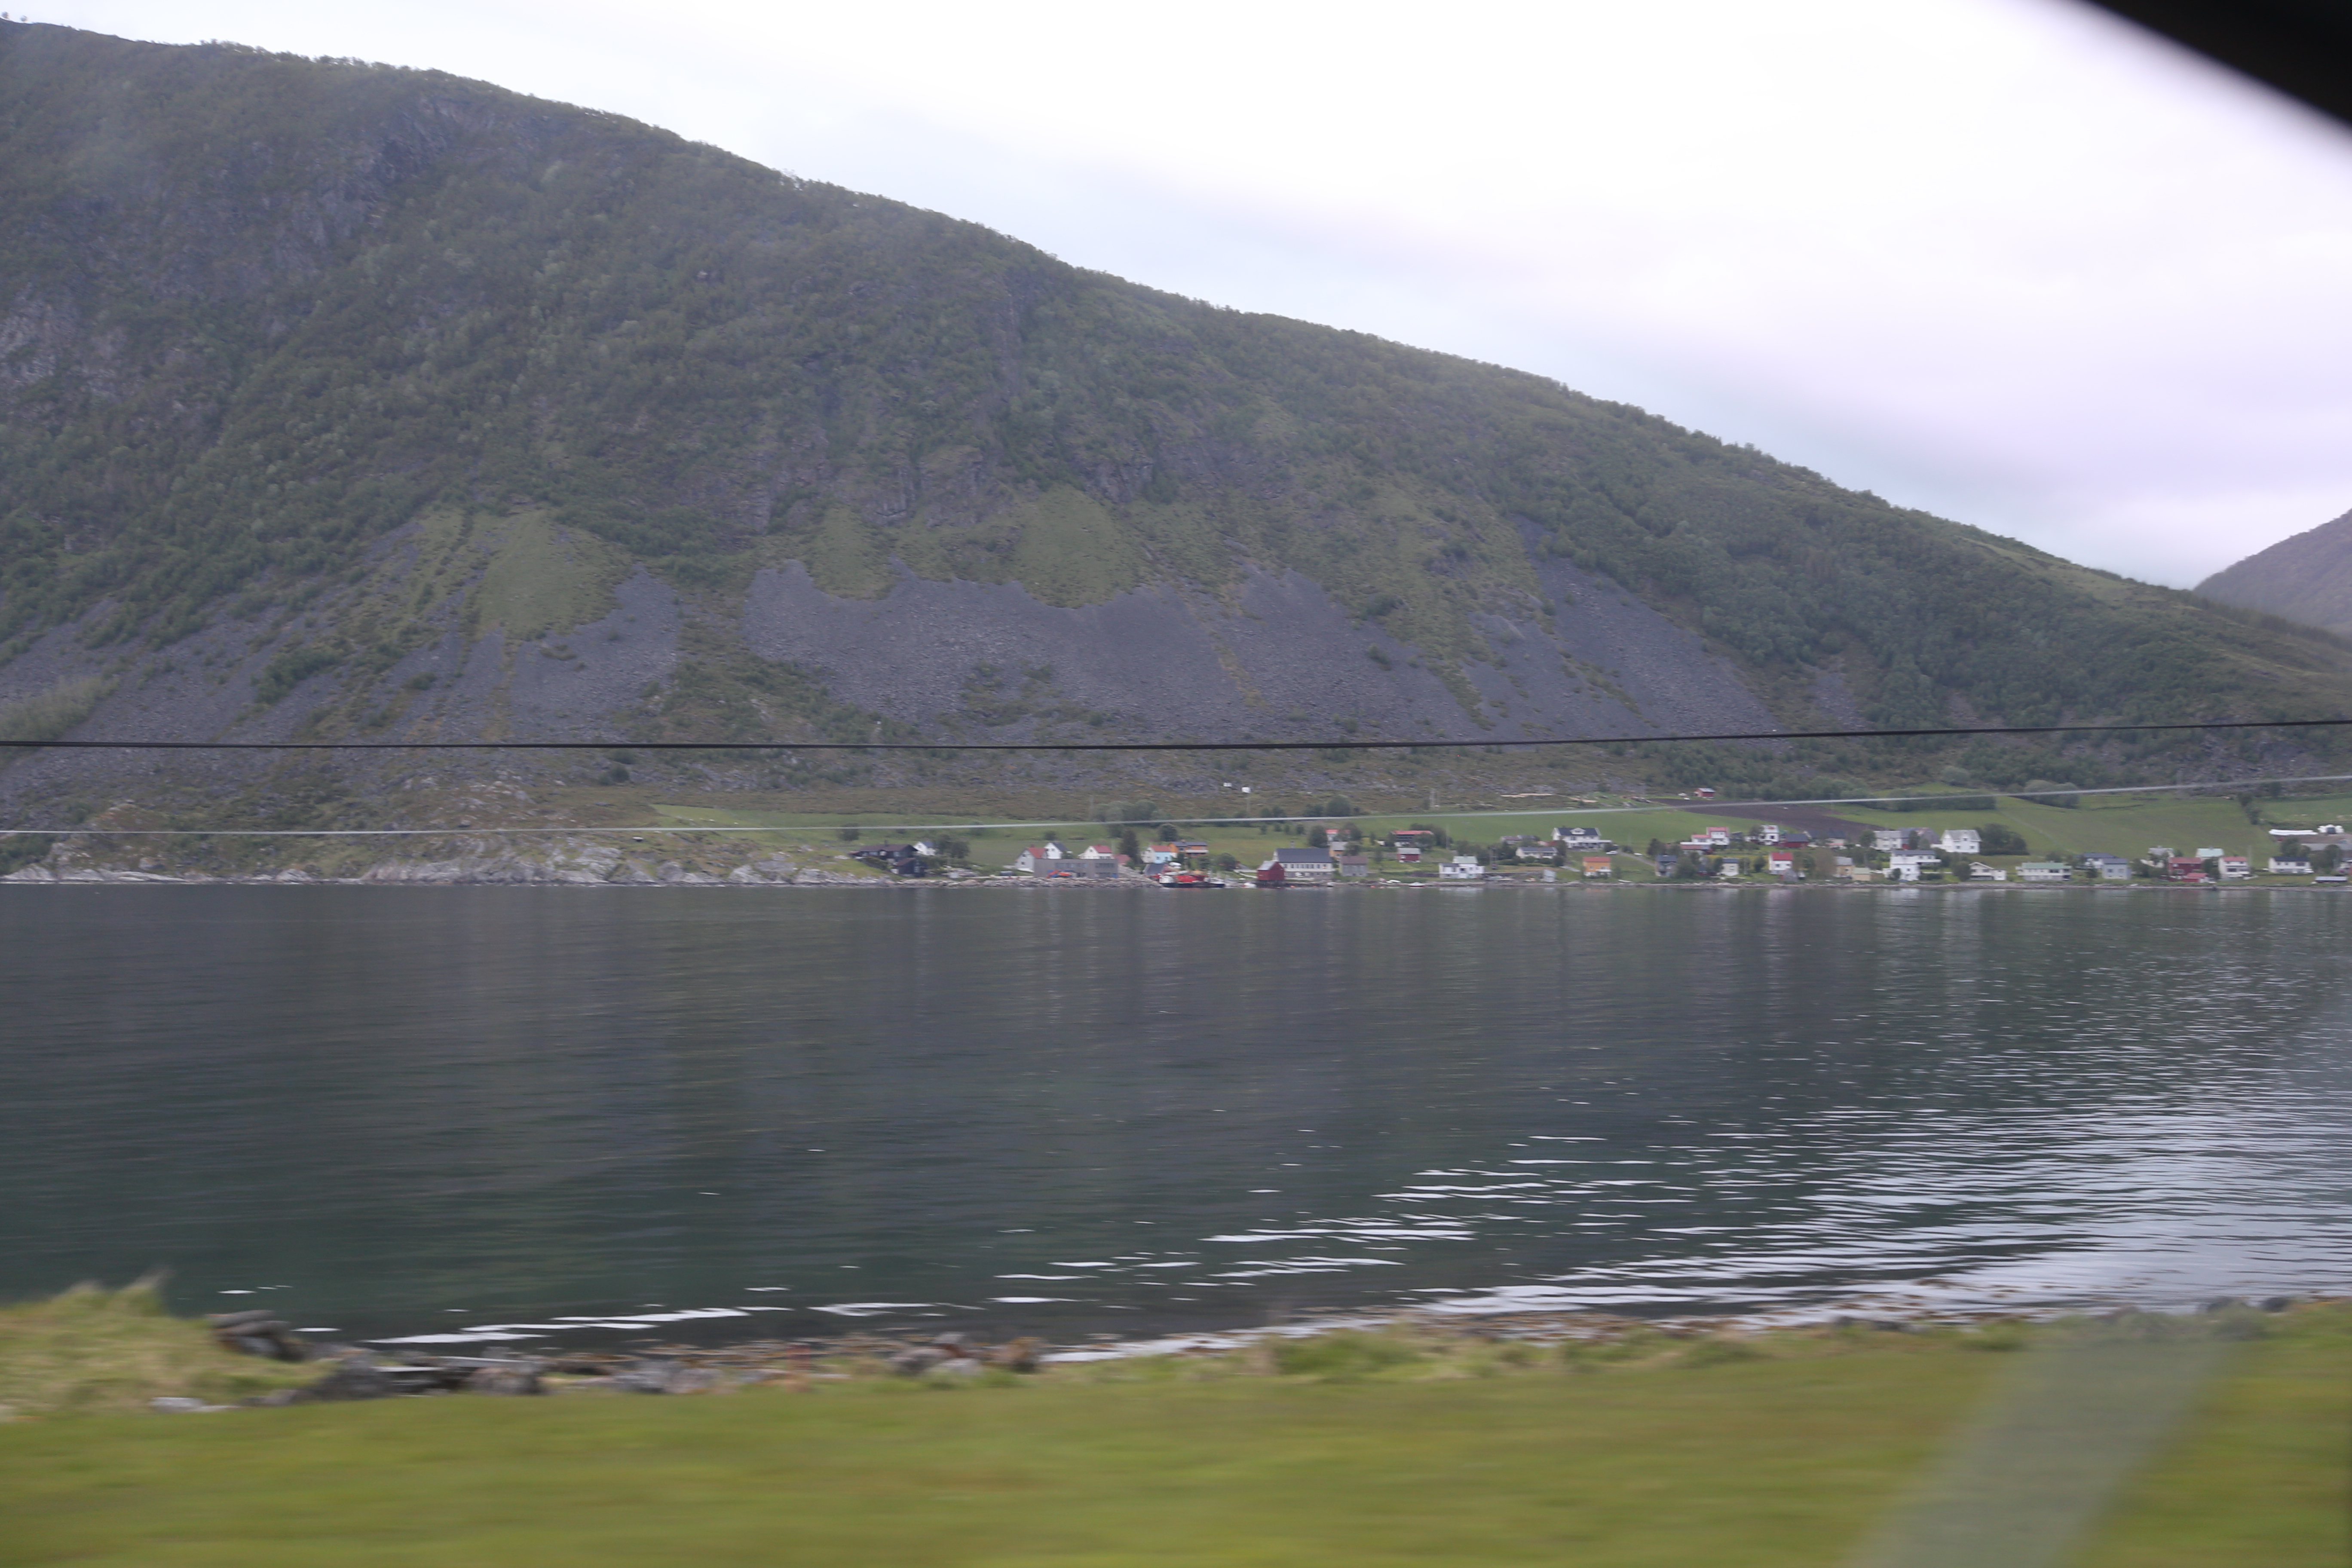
[89,1349]
[839,881]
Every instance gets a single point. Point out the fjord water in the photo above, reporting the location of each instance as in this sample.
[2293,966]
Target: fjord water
[420,1111]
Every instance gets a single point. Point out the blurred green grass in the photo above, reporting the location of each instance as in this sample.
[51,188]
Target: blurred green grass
[1781,1458]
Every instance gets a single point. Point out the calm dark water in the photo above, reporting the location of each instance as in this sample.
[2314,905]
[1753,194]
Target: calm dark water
[406,1111]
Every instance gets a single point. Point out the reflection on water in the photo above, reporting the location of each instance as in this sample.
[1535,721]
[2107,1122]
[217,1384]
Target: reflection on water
[396,1110]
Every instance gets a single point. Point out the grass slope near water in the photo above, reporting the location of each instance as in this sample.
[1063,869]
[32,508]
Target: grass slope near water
[1787,1450]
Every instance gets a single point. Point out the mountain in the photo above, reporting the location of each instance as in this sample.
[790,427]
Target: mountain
[340,400]
[2307,578]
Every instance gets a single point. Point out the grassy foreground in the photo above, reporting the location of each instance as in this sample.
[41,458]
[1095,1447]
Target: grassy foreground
[1350,1450]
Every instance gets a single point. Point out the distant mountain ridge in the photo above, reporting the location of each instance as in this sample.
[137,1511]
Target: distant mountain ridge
[347,401]
[2307,578]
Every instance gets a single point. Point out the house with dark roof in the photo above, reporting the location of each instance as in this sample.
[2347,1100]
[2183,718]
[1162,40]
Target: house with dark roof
[1305,865]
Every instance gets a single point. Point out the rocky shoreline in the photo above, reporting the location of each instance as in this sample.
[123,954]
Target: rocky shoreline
[91,1350]
[354,1373]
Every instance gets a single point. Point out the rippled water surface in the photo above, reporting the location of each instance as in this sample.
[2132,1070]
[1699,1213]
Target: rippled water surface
[403,1110]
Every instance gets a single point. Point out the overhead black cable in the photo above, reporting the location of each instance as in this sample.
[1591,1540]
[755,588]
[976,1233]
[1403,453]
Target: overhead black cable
[1148,746]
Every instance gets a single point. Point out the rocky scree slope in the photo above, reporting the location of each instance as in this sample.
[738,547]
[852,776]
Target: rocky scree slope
[340,400]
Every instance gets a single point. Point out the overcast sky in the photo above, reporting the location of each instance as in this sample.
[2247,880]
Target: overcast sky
[2008,260]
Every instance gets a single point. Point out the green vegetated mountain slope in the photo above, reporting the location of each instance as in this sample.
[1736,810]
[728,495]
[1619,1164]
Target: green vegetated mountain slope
[344,400]
[2307,578]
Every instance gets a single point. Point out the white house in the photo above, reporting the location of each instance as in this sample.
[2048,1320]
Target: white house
[1712,838]
[1765,833]
[1960,841]
[1981,872]
[1886,838]
[1914,858]
[1098,852]
[1036,857]
[2289,868]
[2110,867]
[2236,868]
[2044,871]
[1461,869]
[1307,865]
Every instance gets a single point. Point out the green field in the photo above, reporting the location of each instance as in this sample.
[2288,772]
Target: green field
[2127,825]
[1654,1453]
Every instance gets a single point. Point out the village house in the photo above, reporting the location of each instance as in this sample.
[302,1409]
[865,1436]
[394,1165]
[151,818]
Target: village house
[2236,868]
[1981,872]
[1910,864]
[1304,865]
[1036,856]
[1537,849]
[1412,845]
[1578,837]
[1599,866]
[900,860]
[1886,838]
[1351,864]
[2044,871]
[1960,841]
[2280,867]
[1783,863]
[2108,868]
[1765,833]
[1461,869]
[1099,852]
[2186,868]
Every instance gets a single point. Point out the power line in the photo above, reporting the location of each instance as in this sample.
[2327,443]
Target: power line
[671,827]
[1151,745]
